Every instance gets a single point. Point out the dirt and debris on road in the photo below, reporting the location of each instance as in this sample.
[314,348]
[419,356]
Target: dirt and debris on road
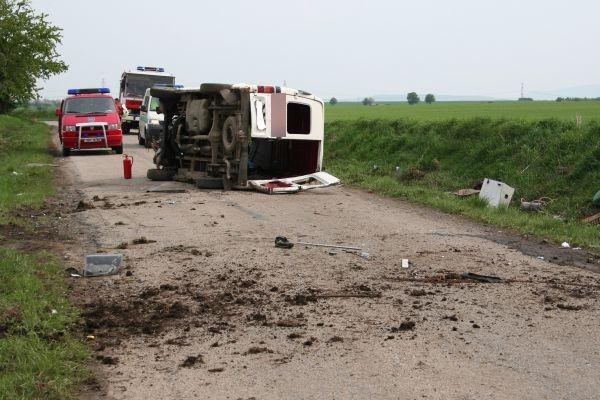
[209,308]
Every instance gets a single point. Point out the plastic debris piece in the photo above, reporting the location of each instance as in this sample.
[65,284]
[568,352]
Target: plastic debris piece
[365,254]
[565,245]
[102,264]
[405,263]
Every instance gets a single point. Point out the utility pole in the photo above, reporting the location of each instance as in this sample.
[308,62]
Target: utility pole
[522,90]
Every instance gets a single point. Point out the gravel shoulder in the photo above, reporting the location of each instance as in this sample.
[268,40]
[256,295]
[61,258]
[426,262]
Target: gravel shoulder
[209,308]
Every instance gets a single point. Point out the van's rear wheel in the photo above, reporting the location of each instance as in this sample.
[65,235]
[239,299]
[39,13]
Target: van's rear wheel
[155,174]
[141,140]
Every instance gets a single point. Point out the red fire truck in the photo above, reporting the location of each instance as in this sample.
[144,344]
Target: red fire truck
[89,119]
[132,88]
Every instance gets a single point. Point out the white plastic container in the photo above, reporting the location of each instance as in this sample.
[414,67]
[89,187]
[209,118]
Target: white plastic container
[496,193]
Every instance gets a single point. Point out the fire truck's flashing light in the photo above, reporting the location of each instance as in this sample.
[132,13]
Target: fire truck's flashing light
[88,91]
[157,69]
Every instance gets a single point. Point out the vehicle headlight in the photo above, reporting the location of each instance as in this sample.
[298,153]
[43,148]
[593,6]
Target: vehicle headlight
[69,128]
[154,122]
[112,127]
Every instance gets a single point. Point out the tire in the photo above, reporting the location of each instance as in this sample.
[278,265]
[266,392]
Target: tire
[125,128]
[230,126]
[141,140]
[119,149]
[155,174]
[66,152]
[210,183]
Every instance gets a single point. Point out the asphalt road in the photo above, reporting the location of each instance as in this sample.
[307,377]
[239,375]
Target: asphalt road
[310,322]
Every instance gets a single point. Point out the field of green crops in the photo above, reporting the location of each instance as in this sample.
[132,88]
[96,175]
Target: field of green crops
[473,109]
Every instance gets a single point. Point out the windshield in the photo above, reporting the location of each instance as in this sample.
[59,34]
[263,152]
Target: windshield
[136,85]
[90,105]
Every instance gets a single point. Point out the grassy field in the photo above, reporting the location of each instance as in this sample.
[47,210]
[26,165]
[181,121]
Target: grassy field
[39,356]
[446,110]
[424,161]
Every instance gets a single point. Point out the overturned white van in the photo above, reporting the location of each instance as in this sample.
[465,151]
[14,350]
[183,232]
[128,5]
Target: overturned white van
[241,136]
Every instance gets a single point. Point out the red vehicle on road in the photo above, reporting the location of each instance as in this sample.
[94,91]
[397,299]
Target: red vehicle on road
[89,119]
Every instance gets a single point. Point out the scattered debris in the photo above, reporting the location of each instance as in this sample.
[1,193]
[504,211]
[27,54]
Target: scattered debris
[369,294]
[106,360]
[405,263]
[142,240]
[289,323]
[569,307]
[565,245]
[365,254]
[466,192]
[592,219]
[301,299]
[122,245]
[219,369]
[333,246]
[283,243]
[120,223]
[535,205]
[496,193]
[335,339]
[257,350]
[83,206]
[481,278]
[98,198]
[102,264]
[407,325]
[190,361]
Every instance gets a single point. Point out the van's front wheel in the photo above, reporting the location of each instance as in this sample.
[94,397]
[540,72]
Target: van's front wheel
[119,149]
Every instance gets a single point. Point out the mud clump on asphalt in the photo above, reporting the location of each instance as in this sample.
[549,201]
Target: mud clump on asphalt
[257,350]
[301,299]
[84,205]
[404,326]
[191,361]
[142,240]
[107,360]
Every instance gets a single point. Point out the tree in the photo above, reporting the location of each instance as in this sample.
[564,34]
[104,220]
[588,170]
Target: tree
[368,101]
[27,52]
[412,98]
[333,101]
[429,98]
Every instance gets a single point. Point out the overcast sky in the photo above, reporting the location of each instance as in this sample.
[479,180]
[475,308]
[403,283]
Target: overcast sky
[342,48]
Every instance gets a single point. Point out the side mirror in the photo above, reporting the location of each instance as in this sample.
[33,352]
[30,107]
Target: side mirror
[57,112]
[144,108]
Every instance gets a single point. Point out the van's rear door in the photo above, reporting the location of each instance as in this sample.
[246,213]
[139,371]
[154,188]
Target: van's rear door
[294,184]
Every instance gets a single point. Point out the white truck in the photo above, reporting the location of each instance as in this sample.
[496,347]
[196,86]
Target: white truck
[268,138]
[132,87]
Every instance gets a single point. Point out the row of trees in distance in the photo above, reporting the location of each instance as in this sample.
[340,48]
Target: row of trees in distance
[411,98]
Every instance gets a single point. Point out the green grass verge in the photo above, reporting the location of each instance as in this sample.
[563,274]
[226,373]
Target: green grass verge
[424,162]
[535,110]
[39,356]
[22,184]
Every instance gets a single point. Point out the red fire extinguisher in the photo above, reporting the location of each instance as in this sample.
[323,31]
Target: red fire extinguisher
[127,165]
